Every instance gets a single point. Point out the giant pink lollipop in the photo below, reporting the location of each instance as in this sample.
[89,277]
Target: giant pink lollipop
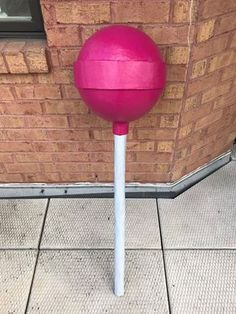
[120,75]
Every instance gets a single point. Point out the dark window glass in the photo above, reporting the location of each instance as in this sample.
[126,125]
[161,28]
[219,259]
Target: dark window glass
[21,18]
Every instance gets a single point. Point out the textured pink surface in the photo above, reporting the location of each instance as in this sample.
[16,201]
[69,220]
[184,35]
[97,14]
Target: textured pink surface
[120,74]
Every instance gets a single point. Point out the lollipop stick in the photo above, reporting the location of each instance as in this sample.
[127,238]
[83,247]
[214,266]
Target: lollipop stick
[119,183]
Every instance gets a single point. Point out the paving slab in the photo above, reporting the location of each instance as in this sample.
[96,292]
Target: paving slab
[81,282]
[16,271]
[89,223]
[201,281]
[21,222]
[203,216]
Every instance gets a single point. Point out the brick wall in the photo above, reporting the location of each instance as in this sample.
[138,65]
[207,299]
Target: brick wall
[48,135]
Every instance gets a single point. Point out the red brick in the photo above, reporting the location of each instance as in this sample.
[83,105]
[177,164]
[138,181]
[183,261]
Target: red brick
[87,167]
[169,121]
[174,91]
[82,13]
[12,178]
[202,83]
[78,177]
[168,106]
[22,167]
[199,68]
[165,146]
[80,121]
[233,41]
[178,55]
[48,13]
[46,78]
[105,134]
[229,73]
[63,36]
[210,47]
[216,7]
[205,30]
[181,153]
[25,107]
[176,73]
[70,92]
[67,157]
[6,157]
[225,100]
[68,56]
[13,46]
[206,141]
[185,131]
[53,57]
[33,157]
[226,24]
[63,76]
[162,134]
[44,146]
[70,135]
[97,146]
[42,177]
[195,114]
[216,91]
[25,91]
[16,147]
[62,147]
[47,92]
[38,91]
[140,146]
[47,122]
[140,12]
[6,93]
[162,168]
[181,11]
[3,68]
[209,119]
[3,135]
[37,61]
[87,31]
[16,63]
[106,157]
[192,102]
[16,79]
[140,167]
[153,157]
[26,134]
[49,167]
[221,60]
[11,121]
[163,34]
[189,140]
[152,120]
[64,107]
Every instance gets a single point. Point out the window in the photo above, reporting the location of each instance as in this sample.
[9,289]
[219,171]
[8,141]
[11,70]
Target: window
[21,19]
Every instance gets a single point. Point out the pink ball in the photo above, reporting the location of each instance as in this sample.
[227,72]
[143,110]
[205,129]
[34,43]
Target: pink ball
[120,74]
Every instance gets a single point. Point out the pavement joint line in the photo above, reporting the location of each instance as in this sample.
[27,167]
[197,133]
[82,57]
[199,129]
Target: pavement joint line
[37,257]
[163,258]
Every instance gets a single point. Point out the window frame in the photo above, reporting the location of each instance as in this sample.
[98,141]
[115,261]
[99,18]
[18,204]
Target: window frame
[25,29]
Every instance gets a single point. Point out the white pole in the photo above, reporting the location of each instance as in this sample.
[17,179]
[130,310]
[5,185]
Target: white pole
[119,189]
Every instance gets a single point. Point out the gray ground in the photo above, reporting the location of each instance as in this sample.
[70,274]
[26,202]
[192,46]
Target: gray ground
[56,255]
